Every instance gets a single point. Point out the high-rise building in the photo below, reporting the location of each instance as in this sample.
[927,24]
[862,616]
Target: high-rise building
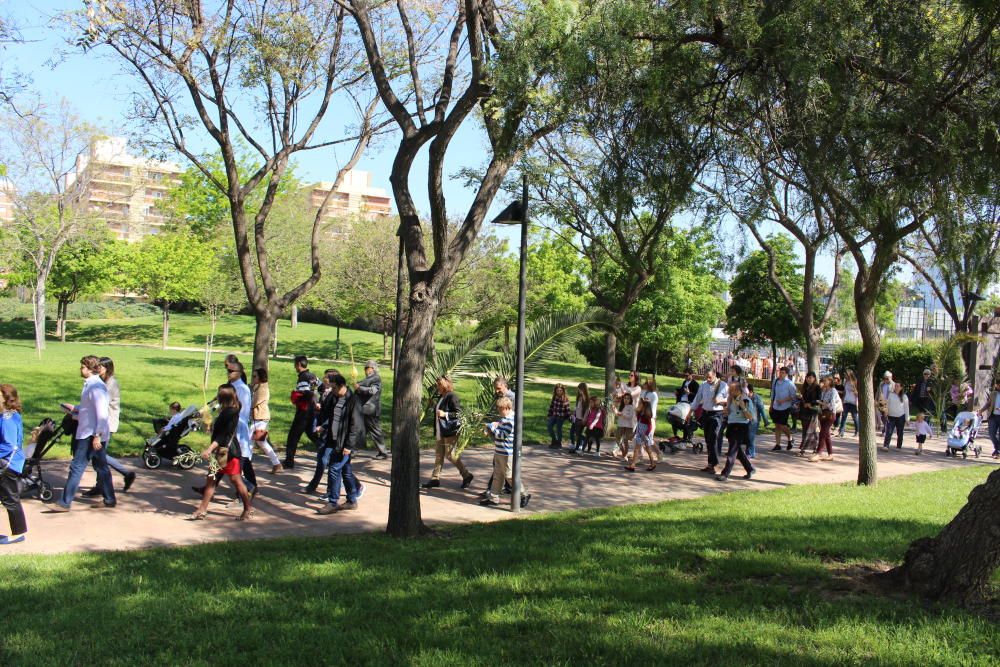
[123,189]
[6,201]
[354,196]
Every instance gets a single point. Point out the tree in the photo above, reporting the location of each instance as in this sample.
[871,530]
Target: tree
[41,151]
[253,72]
[81,269]
[556,276]
[462,57]
[758,311]
[172,267]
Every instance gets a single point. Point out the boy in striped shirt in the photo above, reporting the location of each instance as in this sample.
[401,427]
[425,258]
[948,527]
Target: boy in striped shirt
[502,432]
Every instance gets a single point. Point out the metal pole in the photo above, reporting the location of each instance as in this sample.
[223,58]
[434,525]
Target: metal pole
[396,333]
[515,496]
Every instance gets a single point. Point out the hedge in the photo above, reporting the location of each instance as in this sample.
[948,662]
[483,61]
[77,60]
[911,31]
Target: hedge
[906,360]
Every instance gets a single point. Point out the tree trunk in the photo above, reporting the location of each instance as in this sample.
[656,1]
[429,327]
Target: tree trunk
[274,336]
[774,362]
[610,349]
[166,324]
[812,352]
[263,333]
[871,344]
[635,358]
[295,316]
[38,307]
[407,400]
[61,310]
[385,341]
[957,565]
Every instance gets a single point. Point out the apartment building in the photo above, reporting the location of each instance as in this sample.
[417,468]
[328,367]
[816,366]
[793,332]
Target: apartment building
[123,189]
[6,201]
[354,196]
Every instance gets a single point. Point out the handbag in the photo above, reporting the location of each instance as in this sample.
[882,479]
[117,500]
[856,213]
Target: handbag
[222,452]
[449,427]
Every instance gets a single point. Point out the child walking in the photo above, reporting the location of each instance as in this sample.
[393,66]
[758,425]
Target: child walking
[625,413]
[643,437]
[502,432]
[924,431]
[577,428]
[595,424]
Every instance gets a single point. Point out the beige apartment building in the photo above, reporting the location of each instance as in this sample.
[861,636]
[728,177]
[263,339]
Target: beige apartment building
[354,196]
[6,201]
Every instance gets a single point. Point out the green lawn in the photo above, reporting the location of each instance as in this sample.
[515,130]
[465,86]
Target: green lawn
[738,578]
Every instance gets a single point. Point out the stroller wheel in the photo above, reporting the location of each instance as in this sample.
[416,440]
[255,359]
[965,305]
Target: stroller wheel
[45,492]
[186,462]
[152,460]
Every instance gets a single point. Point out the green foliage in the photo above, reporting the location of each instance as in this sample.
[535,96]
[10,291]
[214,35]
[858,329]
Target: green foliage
[83,267]
[556,276]
[172,267]
[757,311]
[906,360]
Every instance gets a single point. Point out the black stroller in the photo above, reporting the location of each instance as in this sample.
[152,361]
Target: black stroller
[166,444]
[32,483]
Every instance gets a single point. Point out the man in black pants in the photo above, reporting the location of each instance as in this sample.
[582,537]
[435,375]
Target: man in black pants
[369,393]
[303,399]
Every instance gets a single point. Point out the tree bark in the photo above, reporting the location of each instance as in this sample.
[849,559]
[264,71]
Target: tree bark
[263,334]
[62,310]
[295,316]
[166,324]
[407,400]
[610,350]
[38,303]
[957,565]
[812,352]
[635,359]
[871,344]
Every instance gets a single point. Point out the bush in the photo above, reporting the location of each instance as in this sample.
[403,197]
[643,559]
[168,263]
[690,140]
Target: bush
[14,309]
[906,360]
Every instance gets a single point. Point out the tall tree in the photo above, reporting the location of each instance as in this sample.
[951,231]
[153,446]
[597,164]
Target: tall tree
[40,151]
[758,312]
[556,276]
[463,57]
[82,268]
[265,73]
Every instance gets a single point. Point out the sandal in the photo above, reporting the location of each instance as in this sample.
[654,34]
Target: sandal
[246,516]
[630,468]
[198,516]
[651,467]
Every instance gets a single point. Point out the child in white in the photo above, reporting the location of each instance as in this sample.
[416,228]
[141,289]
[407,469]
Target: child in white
[625,413]
[924,431]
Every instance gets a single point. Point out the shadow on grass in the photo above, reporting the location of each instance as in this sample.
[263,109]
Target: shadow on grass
[617,587]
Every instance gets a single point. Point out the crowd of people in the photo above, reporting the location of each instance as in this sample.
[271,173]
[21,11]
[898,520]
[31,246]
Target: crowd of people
[339,417]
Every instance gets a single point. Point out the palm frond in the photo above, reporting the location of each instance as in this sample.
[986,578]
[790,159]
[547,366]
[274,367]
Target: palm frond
[950,366]
[463,356]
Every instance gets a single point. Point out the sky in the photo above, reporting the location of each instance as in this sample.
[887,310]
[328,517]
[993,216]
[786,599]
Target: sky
[101,94]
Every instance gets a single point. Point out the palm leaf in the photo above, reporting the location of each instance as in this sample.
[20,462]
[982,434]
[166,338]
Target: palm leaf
[950,365]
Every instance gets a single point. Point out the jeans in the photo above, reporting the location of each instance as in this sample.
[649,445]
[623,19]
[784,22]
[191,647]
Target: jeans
[711,423]
[752,439]
[84,453]
[737,434]
[894,424]
[577,434]
[849,409]
[340,472]
[556,428]
[322,461]
[994,429]
[113,463]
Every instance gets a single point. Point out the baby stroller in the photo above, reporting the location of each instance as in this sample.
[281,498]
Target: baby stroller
[680,419]
[166,444]
[32,483]
[962,436]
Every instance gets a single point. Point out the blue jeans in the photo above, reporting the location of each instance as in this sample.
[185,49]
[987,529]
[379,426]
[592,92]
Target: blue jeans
[849,409]
[340,471]
[752,439]
[556,428]
[894,424]
[994,430]
[84,453]
[113,463]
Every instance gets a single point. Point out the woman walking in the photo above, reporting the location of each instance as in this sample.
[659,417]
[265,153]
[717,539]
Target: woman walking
[11,463]
[653,400]
[740,412]
[578,426]
[223,454]
[260,415]
[811,395]
[559,412]
[897,413]
[446,427]
[625,417]
[850,402]
[830,410]
[643,437]
[106,371]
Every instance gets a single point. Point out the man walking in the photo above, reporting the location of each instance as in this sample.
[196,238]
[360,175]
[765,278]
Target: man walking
[303,399]
[369,395]
[343,434]
[711,398]
[92,433]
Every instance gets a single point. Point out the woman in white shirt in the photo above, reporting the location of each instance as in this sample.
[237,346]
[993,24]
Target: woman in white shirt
[650,396]
[850,402]
[107,373]
[897,413]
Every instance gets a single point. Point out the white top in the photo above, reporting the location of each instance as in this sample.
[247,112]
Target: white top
[832,399]
[885,389]
[92,413]
[653,399]
[708,394]
[114,403]
[580,411]
[243,427]
[850,393]
[626,417]
[924,428]
[636,392]
[898,407]
[681,410]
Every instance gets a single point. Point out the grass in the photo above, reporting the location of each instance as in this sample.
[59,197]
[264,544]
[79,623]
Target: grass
[738,578]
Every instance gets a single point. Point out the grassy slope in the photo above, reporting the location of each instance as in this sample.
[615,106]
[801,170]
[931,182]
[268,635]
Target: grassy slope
[739,578]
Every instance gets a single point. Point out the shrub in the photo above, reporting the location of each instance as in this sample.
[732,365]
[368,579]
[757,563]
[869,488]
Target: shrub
[906,360]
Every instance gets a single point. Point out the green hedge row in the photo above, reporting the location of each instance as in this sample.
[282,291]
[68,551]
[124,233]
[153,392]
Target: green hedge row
[906,360]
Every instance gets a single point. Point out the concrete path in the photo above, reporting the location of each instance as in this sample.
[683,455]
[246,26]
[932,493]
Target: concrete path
[154,512]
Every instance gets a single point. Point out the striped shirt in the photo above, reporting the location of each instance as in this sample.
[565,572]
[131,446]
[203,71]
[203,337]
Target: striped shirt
[503,435]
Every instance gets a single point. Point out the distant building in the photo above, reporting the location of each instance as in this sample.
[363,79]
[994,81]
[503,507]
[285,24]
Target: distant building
[6,201]
[122,188]
[354,196]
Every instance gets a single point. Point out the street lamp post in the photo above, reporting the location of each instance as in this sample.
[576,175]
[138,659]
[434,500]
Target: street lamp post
[517,213]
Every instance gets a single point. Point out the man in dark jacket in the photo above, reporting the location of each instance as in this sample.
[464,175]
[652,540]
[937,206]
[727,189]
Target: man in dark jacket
[689,388]
[343,434]
[303,397]
[369,395]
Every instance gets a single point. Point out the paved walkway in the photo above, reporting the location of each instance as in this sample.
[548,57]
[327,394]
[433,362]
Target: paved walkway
[154,512]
